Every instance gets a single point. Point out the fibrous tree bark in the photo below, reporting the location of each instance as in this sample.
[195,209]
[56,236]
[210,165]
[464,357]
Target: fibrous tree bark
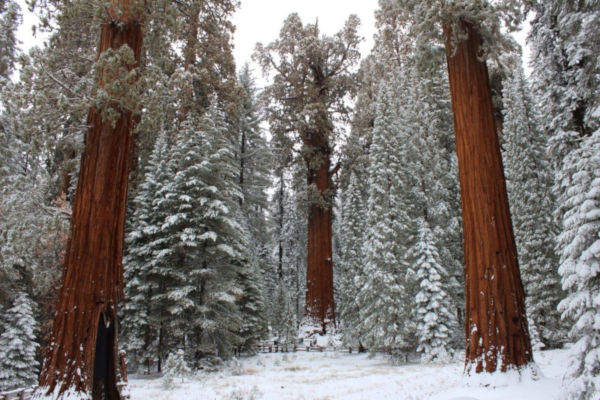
[497,336]
[319,307]
[312,80]
[82,357]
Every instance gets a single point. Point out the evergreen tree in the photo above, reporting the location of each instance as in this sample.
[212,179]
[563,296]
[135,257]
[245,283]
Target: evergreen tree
[435,321]
[293,240]
[18,364]
[141,321]
[10,17]
[314,72]
[564,41]
[471,32]
[254,157]
[526,166]
[350,265]
[384,297]
[579,242]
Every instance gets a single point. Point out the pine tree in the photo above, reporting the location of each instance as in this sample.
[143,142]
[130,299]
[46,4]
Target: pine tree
[565,40]
[141,323]
[526,166]
[10,16]
[435,321]
[385,294]
[254,157]
[579,242]
[18,364]
[350,265]
[293,241]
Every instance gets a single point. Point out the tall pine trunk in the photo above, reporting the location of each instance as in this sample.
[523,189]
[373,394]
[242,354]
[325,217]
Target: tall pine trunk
[496,330]
[82,356]
[319,307]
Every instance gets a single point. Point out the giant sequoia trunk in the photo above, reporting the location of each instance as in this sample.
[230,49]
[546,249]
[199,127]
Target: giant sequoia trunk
[496,330]
[82,357]
[319,308]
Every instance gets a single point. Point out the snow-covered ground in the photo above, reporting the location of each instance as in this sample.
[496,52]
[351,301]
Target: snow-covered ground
[331,375]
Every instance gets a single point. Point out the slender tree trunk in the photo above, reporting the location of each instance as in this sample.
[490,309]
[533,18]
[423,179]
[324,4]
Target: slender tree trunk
[82,356]
[496,330]
[319,308]
[280,240]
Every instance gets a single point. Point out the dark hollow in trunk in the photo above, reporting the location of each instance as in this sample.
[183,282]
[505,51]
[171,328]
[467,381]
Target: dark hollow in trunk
[496,330]
[105,375]
[93,275]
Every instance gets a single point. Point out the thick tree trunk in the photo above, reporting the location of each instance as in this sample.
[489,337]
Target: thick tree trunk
[319,307]
[496,330]
[82,357]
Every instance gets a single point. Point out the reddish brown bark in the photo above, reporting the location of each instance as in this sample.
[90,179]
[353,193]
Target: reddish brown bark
[319,307]
[496,330]
[82,355]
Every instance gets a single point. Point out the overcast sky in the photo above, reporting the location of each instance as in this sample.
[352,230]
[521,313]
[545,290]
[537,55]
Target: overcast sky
[261,20]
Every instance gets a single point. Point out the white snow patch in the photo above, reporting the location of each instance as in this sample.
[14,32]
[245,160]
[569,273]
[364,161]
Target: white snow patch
[333,375]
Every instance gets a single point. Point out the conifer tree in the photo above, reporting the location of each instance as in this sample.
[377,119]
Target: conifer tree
[18,364]
[10,16]
[565,39]
[384,297]
[141,323]
[293,241]
[350,265]
[84,324]
[311,82]
[471,32]
[254,157]
[579,242]
[526,166]
[435,321]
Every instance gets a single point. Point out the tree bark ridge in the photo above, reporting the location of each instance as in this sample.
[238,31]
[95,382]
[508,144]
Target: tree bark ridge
[496,331]
[93,274]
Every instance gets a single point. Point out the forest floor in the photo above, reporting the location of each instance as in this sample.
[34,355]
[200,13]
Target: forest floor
[333,375]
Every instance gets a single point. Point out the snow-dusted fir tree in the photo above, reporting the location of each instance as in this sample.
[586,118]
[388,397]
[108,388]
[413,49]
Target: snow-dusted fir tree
[526,166]
[255,163]
[384,298]
[10,17]
[285,316]
[207,243]
[289,245]
[579,243]
[564,40]
[18,365]
[350,265]
[141,323]
[430,155]
[435,320]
